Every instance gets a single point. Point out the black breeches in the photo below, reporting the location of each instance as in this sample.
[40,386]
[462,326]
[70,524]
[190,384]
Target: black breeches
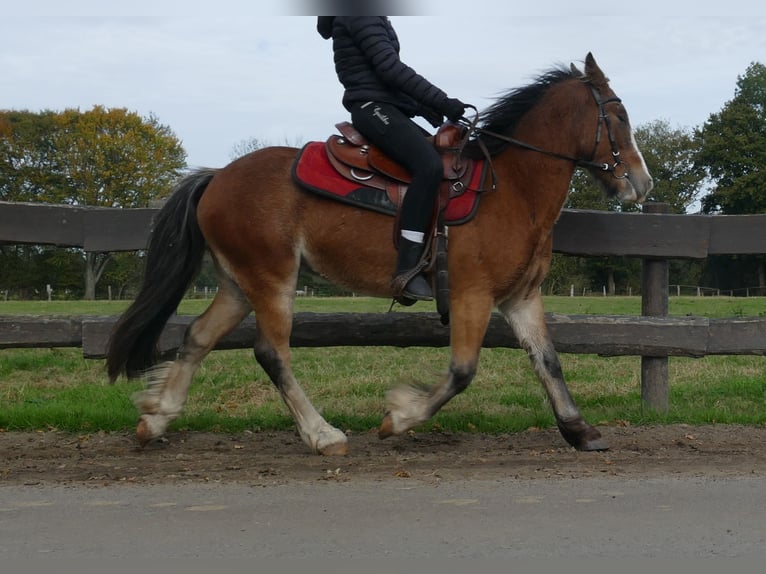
[405,142]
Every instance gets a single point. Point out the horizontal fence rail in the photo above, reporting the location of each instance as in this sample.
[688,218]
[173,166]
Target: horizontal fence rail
[606,335]
[577,232]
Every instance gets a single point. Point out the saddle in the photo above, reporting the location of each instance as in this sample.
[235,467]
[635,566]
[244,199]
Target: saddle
[359,161]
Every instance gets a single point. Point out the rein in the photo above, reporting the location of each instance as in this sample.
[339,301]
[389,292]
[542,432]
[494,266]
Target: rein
[603,120]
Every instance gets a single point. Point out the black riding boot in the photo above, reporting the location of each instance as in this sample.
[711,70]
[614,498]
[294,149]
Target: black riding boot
[412,284]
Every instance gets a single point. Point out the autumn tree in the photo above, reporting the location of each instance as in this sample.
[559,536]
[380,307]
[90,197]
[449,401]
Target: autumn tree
[100,157]
[115,158]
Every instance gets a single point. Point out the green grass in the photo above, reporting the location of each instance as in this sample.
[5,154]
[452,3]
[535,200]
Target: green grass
[57,388]
[196,306]
[700,306]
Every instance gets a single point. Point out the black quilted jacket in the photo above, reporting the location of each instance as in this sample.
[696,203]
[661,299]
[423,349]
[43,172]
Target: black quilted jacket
[366,54]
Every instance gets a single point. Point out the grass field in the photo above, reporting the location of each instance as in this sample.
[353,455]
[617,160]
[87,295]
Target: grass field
[700,306]
[57,388]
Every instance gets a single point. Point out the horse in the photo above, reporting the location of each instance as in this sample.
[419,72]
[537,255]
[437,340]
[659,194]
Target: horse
[259,226]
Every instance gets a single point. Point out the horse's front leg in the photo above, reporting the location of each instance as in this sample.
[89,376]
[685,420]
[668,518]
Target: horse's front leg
[411,405]
[528,322]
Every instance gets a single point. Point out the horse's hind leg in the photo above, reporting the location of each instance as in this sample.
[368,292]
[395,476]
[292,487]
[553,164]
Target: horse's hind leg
[168,383]
[528,322]
[272,351]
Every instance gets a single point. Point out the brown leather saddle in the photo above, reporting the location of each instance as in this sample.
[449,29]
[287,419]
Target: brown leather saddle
[359,161]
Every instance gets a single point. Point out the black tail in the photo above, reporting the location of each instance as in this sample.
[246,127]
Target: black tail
[174,257]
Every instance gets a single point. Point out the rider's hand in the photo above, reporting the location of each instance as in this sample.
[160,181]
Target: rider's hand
[454,109]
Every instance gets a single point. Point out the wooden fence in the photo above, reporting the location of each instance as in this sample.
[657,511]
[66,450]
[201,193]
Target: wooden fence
[654,236]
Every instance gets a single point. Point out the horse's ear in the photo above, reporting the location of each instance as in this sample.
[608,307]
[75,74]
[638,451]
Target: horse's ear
[575,71]
[593,72]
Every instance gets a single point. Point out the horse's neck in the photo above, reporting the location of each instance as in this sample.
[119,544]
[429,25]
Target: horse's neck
[538,184]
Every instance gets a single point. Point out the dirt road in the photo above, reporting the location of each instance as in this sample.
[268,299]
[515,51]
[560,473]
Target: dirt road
[266,458]
[671,491]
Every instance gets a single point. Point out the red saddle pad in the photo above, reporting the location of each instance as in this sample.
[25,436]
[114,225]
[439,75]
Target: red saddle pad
[313,171]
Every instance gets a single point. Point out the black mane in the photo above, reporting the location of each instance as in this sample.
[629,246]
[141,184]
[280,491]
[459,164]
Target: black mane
[503,116]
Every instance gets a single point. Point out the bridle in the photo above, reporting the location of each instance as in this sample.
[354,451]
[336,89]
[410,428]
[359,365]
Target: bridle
[603,120]
[619,169]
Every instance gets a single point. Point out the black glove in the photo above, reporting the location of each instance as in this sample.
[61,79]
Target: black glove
[431,116]
[454,109]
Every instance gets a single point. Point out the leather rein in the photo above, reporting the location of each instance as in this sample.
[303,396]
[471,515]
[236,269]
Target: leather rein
[618,169]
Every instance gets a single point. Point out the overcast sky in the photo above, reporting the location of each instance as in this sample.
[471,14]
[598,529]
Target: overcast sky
[225,71]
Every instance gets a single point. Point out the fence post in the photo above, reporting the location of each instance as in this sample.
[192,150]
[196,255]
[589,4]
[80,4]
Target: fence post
[654,303]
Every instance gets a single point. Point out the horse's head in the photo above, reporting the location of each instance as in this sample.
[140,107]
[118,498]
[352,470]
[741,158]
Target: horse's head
[615,160]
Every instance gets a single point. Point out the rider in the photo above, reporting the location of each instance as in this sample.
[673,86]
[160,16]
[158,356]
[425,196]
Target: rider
[383,94]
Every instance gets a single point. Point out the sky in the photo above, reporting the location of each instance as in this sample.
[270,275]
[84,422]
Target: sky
[225,72]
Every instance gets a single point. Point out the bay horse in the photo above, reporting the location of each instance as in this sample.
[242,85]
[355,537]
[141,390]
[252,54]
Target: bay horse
[258,226]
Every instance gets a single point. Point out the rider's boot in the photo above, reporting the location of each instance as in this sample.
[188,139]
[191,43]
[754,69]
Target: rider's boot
[409,281]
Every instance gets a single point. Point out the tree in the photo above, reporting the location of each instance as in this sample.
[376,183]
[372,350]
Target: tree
[116,158]
[670,156]
[733,153]
[122,276]
[245,147]
[101,157]
[250,145]
[733,148]
[27,157]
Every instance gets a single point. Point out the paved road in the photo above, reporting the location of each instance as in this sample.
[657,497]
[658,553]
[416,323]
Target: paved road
[668,517]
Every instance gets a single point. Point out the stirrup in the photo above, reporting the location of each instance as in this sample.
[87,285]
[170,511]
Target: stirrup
[399,286]
[418,292]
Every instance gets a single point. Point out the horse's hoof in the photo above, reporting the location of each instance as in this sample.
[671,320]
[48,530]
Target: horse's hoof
[329,442]
[337,449]
[594,445]
[582,436]
[386,427]
[143,434]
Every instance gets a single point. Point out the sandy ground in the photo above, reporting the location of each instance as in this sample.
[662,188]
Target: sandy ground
[267,458]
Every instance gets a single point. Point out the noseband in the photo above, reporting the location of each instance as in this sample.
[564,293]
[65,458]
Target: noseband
[618,169]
